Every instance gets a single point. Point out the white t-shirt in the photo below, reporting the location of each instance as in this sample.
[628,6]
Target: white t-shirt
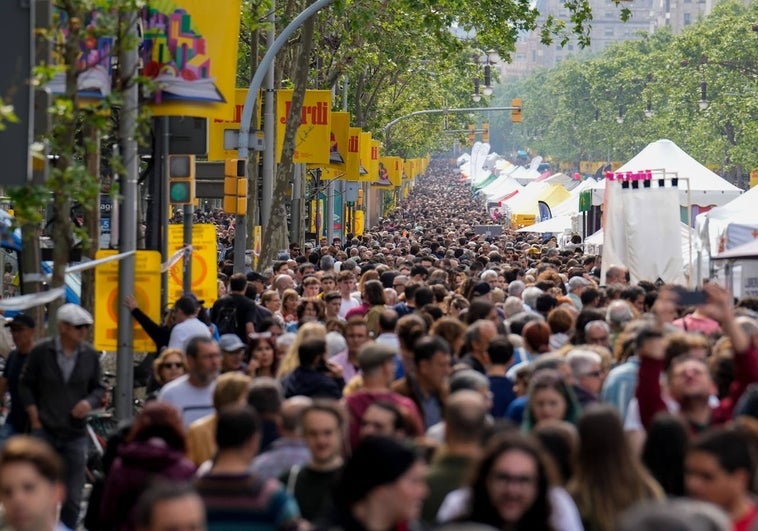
[346,305]
[186,330]
[564,517]
[192,402]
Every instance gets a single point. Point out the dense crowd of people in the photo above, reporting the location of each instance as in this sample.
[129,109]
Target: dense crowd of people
[436,371]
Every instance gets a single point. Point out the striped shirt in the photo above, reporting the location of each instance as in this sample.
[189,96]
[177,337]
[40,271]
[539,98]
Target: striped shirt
[245,501]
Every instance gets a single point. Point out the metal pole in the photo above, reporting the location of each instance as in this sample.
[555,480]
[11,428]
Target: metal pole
[269,126]
[163,203]
[128,227]
[329,210]
[268,58]
[297,201]
[187,272]
[441,111]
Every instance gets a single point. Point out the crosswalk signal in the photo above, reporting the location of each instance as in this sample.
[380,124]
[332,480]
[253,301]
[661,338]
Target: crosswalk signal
[471,134]
[485,132]
[516,111]
[181,179]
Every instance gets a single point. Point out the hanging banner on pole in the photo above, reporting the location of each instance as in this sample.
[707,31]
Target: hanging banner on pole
[312,143]
[147,277]
[338,140]
[189,53]
[353,166]
[365,147]
[204,266]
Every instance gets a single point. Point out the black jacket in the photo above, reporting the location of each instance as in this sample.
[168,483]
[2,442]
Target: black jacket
[310,382]
[42,385]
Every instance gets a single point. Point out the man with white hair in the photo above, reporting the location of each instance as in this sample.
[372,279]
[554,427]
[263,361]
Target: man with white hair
[516,288]
[586,368]
[530,296]
[617,315]
[490,277]
[575,287]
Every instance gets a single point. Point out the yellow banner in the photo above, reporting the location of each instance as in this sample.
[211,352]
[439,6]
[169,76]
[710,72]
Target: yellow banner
[753,178]
[217,126]
[189,53]
[396,170]
[366,158]
[353,169]
[360,222]
[147,281]
[374,169]
[312,138]
[339,140]
[204,263]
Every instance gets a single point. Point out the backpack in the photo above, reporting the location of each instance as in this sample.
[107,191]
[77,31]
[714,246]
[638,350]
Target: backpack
[226,322]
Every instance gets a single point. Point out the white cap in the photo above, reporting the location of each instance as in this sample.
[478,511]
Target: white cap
[74,314]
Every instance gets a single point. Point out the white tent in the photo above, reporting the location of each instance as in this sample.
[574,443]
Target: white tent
[571,205]
[568,182]
[744,251]
[556,225]
[593,243]
[730,225]
[504,186]
[705,187]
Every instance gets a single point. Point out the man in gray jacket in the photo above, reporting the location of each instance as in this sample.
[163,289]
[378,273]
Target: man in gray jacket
[60,384]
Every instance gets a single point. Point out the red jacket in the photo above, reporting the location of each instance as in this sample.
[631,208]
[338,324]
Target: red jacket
[649,388]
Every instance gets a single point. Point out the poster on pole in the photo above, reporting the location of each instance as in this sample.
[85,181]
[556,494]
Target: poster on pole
[147,280]
[312,141]
[204,263]
[189,57]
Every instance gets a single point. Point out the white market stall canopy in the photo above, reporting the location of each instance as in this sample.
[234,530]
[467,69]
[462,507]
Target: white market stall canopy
[746,251]
[556,225]
[706,188]
[730,225]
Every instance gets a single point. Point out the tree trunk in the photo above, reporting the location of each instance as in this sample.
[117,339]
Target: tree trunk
[91,213]
[275,233]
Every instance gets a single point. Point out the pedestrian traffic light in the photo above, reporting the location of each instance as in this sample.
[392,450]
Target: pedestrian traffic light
[471,134]
[516,111]
[485,132]
[181,179]
[235,186]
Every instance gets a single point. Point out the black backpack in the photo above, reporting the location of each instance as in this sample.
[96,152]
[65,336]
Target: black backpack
[226,321]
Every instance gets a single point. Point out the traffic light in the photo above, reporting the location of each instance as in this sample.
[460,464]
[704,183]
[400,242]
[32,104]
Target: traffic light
[471,134]
[516,111]
[235,186]
[181,179]
[485,132]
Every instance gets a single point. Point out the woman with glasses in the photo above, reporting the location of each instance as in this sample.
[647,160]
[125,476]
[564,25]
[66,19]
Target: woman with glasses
[513,489]
[168,366]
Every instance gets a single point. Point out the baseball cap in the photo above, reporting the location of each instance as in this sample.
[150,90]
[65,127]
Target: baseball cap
[21,320]
[230,343]
[578,282]
[74,315]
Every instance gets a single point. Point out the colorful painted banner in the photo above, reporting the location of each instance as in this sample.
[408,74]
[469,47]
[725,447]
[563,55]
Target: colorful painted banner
[312,138]
[353,166]
[189,53]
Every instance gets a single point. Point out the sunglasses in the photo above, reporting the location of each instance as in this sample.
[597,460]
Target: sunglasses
[176,365]
[81,326]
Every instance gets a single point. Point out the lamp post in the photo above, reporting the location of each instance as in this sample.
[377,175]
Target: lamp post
[486,60]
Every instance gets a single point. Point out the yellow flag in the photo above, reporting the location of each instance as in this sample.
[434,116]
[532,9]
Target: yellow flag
[353,169]
[365,148]
[312,138]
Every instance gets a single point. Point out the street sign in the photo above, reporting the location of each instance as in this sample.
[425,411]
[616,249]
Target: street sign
[204,263]
[147,275]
